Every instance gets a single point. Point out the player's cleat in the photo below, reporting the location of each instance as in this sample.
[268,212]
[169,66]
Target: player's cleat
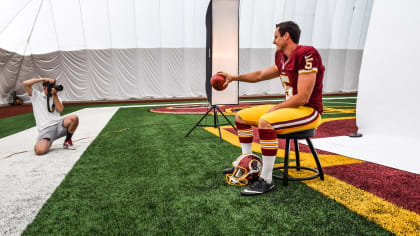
[258,187]
[68,145]
[229,170]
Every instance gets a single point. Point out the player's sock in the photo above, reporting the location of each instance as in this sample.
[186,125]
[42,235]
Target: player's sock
[68,136]
[269,146]
[246,148]
[245,135]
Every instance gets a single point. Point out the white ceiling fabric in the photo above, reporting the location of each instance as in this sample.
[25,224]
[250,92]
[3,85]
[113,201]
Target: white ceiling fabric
[121,49]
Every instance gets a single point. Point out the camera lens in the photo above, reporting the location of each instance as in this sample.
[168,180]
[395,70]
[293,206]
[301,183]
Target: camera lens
[59,87]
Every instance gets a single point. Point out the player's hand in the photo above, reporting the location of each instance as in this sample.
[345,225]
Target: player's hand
[273,108]
[229,78]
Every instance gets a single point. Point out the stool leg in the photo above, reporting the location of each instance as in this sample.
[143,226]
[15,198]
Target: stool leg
[318,163]
[297,153]
[286,162]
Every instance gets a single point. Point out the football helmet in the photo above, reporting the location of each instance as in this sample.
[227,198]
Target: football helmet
[247,168]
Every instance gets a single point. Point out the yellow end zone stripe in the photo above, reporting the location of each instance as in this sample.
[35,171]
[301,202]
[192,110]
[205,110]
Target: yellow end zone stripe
[388,215]
[331,110]
[323,120]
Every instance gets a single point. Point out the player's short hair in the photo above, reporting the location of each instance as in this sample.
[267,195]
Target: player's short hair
[292,28]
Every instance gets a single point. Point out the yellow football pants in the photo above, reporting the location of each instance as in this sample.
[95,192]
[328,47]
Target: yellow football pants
[285,120]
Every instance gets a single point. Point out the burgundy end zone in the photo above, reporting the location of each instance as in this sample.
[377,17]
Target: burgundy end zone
[396,186]
[8,111]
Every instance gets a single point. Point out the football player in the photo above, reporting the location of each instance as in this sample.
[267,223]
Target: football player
[301,72]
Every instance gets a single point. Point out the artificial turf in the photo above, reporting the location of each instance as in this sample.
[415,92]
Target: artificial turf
[141,176]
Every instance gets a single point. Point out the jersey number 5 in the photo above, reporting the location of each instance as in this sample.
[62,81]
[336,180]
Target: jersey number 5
[308,65]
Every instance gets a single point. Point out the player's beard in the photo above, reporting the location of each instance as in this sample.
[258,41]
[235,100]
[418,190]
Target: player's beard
[280,47]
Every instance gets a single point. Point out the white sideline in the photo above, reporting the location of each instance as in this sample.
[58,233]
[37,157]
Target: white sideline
[27,180]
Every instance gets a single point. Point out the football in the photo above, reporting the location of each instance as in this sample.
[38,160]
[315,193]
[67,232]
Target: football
[217,82]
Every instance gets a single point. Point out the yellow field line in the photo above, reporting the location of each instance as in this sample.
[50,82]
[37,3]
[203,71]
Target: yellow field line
[338,118]
[386,214]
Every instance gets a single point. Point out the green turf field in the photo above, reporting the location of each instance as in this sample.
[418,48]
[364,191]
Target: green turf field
[142,177]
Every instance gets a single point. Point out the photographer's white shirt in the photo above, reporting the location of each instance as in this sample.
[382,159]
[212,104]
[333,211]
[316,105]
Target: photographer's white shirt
[43,117]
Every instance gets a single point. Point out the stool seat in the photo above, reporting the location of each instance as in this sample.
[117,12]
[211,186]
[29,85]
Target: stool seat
[306,134]
[298,135]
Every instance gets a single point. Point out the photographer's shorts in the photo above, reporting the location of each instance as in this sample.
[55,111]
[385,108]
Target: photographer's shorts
[285,120]
[53,132]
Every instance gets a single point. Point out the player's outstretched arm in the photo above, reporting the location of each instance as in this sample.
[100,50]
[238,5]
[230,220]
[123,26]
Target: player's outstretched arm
[253,77]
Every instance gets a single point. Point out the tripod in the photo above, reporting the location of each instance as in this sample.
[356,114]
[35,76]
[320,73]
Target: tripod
[213,108]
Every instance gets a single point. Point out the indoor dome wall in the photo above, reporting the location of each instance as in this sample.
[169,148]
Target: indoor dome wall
[123,49]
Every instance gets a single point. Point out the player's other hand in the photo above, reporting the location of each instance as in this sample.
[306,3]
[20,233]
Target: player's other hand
[229,78]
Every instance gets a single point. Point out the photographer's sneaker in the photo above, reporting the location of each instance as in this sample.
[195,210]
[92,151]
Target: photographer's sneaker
[68,145]
[258,187]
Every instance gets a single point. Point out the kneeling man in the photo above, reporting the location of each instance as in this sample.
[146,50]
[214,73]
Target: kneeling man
[50,124]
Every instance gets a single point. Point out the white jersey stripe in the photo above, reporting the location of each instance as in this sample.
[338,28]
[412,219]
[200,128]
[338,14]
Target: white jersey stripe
[245,132]
[300,122]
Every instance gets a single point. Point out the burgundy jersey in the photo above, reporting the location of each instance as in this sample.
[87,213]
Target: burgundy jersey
[304,59]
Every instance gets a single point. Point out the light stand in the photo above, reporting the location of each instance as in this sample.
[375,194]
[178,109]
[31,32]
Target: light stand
[222,54]
[216,123]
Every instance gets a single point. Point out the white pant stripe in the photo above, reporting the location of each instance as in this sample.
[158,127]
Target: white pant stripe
[300,122]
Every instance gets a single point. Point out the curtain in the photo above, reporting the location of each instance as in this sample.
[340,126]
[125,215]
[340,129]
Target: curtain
[139,49]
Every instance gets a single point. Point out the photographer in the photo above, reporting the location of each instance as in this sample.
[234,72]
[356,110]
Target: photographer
[50,124]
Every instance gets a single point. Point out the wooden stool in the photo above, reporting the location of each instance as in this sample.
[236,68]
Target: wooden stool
[307,134]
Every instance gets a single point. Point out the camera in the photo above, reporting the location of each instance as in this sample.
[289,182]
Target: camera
[51,86]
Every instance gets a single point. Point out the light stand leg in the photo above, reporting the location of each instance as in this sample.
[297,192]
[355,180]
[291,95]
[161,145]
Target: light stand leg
[198,123]
[226,118]
[216,123]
